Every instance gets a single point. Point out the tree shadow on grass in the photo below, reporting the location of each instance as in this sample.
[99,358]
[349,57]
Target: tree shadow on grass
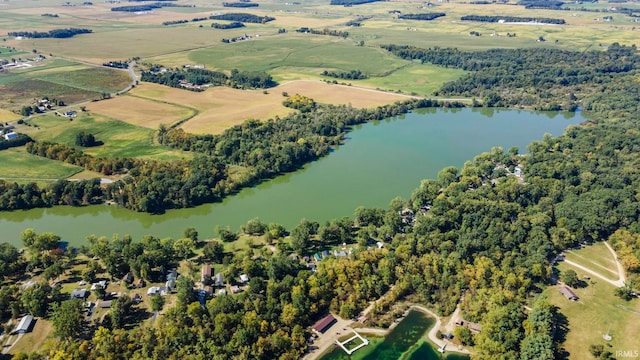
[560,334]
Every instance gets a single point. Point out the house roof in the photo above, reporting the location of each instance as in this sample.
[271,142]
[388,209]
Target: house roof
[25,324]
[79,294]
[323,324]
[206,270]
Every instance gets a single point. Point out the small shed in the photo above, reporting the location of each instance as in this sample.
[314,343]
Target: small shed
[323,324]
[568,293]
[25,325]
[235,289]
[244,278]
[104,304]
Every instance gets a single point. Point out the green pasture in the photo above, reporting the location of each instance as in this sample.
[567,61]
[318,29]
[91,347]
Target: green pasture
[20,166]
[597,312]
[119,138]
[313,52]
[414,78]
[597,258]
[8,53]
[59,79]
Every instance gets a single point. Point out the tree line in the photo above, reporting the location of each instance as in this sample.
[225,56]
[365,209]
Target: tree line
[240,4]
[55,33]
[512,19]
[231,25]
[325,31]
[351,75]
[238,79]
[425,16]
[243,17]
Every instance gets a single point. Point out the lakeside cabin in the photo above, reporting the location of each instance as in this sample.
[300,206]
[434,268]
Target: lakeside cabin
[568,293]
[323,324]
[25,324]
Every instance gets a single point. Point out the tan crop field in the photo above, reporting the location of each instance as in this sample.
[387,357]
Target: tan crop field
[6,115]
[141,112]
[221,107]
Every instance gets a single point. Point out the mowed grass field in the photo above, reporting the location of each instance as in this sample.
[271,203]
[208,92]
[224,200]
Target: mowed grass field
[222,107]
[596,257]
[119,138]
[20,166]
[597,312]
[6,115]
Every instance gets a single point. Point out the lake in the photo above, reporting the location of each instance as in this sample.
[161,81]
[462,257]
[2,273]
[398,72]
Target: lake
[379,161]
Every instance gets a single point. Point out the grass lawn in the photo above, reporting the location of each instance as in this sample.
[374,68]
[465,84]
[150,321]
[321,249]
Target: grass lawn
[597,312]
[41,333]
[20,165]
[119,138]
[597,258]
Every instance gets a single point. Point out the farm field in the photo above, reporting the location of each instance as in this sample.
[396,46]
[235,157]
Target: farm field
[61,80]
[20,166]
[218,106]
[597,312]
[6,115]
[141,112]
[119,139]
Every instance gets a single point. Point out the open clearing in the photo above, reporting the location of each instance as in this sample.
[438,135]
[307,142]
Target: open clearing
[597,312]
[140,112]
[223,107]
[6,115]
[597,258]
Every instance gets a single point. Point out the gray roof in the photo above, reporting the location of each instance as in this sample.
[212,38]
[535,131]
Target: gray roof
[25,324]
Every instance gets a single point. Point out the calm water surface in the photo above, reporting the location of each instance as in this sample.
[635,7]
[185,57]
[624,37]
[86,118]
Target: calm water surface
[378,162]
[403,339]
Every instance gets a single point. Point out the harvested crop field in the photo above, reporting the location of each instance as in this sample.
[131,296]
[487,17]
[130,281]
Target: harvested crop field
[6,115]
[141,112]
[222,107]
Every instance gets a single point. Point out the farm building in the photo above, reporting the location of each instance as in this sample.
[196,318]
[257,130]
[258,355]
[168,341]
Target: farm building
[219,280]
[323,324]
[10,136]
[568,293]
[25,324]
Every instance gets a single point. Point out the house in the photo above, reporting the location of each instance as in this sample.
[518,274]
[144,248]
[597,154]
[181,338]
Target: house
[128,278]
[219,280]
[323,324]
[170,284]
[141,283]
[472,326]
[172,275]
[222,292]
[326,254]
[153,290]
[317,257]
[568,293]
[104,304]
[380,244]
[244,278]
[25,325]
[100,284]
[10,136]
[79,294]
[29,284]
[235,289]
[205,274]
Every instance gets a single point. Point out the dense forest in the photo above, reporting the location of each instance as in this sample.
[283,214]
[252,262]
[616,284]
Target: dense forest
[541,79]
[56,33]
[425,16]
[511,19]
[243,17]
